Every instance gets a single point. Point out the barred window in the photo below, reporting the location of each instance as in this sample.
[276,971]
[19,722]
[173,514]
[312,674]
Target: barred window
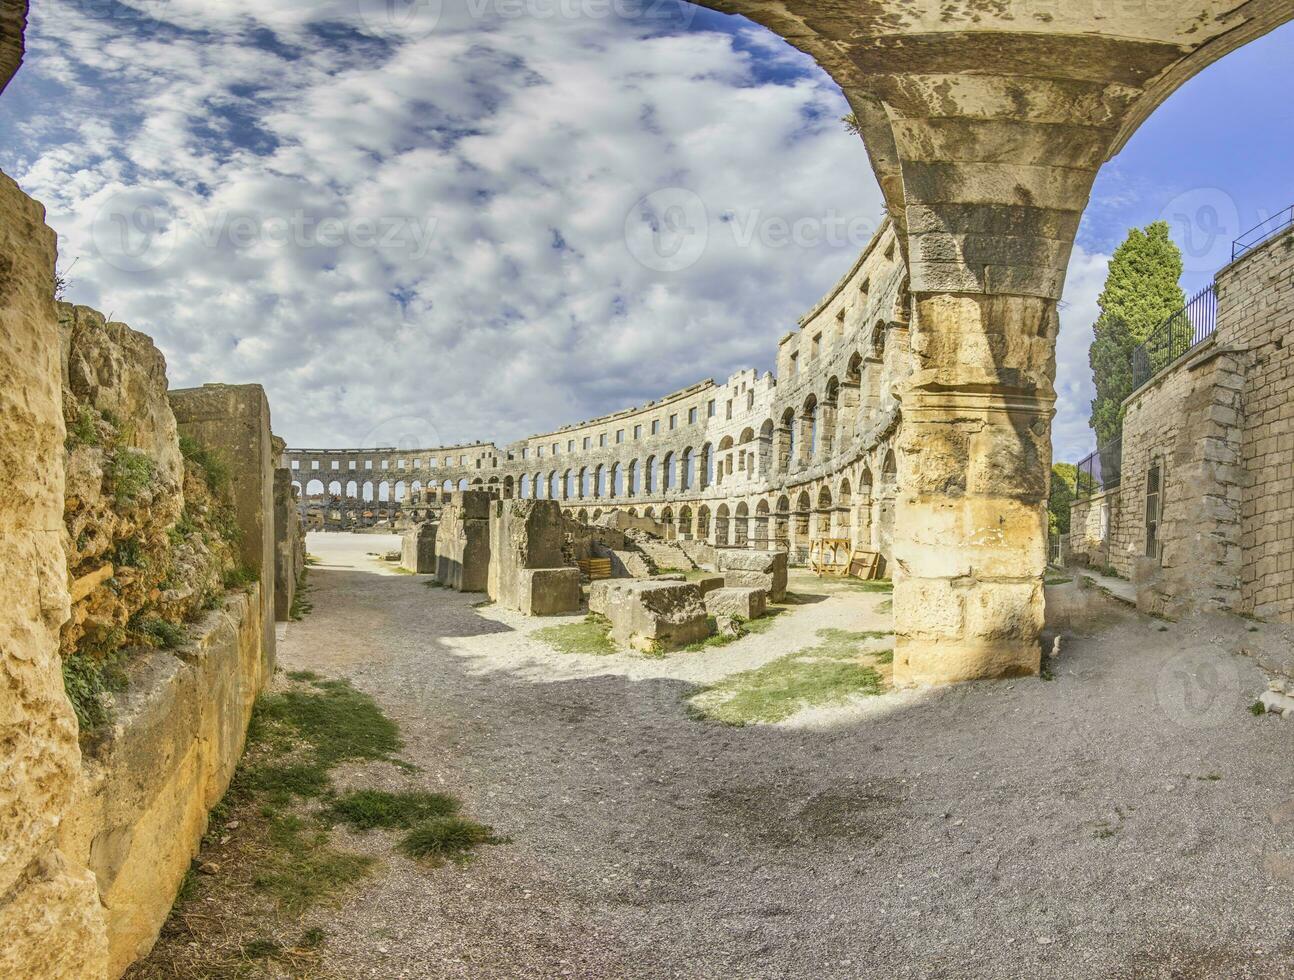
[1154,508]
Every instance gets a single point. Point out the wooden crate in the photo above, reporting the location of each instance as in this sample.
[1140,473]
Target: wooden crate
[595,568]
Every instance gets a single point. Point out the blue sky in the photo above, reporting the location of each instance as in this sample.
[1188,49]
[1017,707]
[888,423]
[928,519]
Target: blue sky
[425,228]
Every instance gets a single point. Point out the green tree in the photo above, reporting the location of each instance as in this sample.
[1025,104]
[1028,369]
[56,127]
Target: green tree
[1064,484]
[1141,292]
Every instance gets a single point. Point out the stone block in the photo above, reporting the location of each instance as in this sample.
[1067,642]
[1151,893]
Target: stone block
[418,549]
[758,569]
[737,602]
[655,616]
[550,591]
[524,534]
[234,422]
[462,550]
[289,544]
[709,584]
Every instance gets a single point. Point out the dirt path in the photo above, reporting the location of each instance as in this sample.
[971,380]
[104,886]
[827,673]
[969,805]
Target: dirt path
[1117,821]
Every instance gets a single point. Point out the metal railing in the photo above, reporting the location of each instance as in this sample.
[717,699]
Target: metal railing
[1191,325]
[1101,470]
[1262,231]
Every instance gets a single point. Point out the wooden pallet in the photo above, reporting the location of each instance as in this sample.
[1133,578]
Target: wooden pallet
[595,568]
[864,564]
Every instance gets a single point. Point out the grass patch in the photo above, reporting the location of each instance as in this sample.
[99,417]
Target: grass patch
[303,675]
[1257,709]
[242,577]
[365,809]
[335,722]
[82,431]
[214,469]
[129,474]
[747,626]
[1057,580]
[868,584]
[838,668]
[591,635]
[301,603]
[88,681]
[446,838]
[302,868]
[160,633]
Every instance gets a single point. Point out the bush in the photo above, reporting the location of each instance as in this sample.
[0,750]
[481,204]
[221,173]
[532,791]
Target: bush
[82,431]
[86,680]
[214,469]
[130,474]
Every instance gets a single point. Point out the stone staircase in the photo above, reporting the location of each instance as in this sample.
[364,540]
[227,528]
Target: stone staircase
[666,554]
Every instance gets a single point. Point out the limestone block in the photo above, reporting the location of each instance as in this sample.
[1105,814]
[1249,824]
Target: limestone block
[463,547]
[289,543]
[50,919]
[234,421]
[550,591]
[758,569]
[710,583]
[655,616]
[523,534]
[738,602]
[418,550]
[600,592]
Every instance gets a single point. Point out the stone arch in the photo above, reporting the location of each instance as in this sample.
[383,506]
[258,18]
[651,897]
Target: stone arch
[761,537]
[554,486]
[786,441]
[631,479]
[569,488]
[808,428]
[667,518]
[706,477]
[462,484]
[803,511]
[384,492]
[725,466]
[685,521]
[649,476]
[667,473]
[703,523]
[721,526]
[685,469]
[741,525]
[334,488]
[782,524]
[508,486]
[448,485]
[824,512]
[311,491]
[524,491]
[582,515]
[827,417]
[615,484]
[352,490]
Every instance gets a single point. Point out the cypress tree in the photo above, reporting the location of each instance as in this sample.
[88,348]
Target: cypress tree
[1141,292]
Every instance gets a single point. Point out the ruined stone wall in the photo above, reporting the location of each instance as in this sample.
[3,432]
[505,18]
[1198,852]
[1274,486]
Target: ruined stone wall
[524,534]
[234,421]
[1184,421]
[151,777]
[1256,319]
[1091,520]
[50,918]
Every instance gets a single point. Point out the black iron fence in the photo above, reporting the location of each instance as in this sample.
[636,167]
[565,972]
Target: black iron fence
[1192,324]
[1101,470]
[1262,231]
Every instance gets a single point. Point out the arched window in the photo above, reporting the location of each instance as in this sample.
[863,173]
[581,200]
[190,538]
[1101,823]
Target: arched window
[685,470]
[649,475]
[667,473]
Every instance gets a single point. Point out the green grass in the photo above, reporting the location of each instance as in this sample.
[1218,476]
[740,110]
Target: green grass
[301,604]
[868,585]
[748,626]
[82,430]
[214,469]
[302,868]
[336,722]
[441,838]
[591,635]
[365,809]
[87,681]
[838,668]
[303,675]
[129,474]
[241,577]
[160,633]
[1057,580]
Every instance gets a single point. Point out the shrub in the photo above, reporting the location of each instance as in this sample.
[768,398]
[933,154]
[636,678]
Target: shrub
[82,430]
[130,474]
[214,469]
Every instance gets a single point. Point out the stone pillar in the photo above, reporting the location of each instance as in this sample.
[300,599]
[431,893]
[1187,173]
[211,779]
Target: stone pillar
[234,422]
[51,922]
[975,451]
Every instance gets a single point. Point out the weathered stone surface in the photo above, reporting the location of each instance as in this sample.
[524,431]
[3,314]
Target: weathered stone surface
[524,534]
[656,615]
[710,583]
[234,421]
[49,915]
[176,737]
[549,591]
[289,542]
[13,21]
[418,549]
[463,542]
[758,569]
[736,602]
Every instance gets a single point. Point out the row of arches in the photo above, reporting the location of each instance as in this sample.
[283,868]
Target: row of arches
[381,491]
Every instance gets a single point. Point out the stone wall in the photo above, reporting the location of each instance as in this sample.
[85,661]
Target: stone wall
[177,735]
[1184,422]
[289,544]
[524,535]
[1220,423]
[1256,293]
[1090,522]
[463,542]
[13,21]
[234,421]
[50,916]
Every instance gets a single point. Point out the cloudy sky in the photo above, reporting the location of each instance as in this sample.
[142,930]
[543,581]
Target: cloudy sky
[422,221]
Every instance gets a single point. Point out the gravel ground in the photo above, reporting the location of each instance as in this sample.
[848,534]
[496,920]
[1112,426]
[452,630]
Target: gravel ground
[1128,819]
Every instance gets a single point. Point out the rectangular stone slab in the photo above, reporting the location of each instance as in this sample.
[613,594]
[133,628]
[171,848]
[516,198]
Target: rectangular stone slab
[550,591]
[656,616]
